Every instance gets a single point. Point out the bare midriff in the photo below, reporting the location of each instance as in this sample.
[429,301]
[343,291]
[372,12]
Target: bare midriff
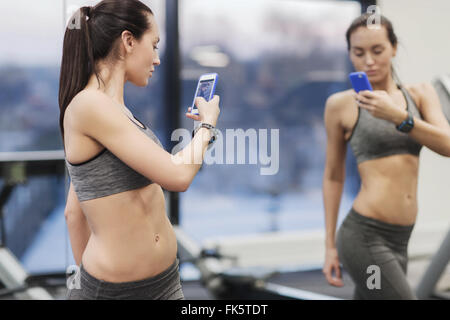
[131,236]
[389,189]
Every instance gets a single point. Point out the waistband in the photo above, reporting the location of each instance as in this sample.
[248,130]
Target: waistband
[95,283]
[377,224]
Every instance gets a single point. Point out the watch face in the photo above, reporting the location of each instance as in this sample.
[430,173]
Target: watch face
[407,125]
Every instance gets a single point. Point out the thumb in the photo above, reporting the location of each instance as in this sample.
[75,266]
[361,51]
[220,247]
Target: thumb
[199,100]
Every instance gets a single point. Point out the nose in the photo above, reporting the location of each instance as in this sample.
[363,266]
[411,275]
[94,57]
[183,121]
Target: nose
[369,59]
[156,60]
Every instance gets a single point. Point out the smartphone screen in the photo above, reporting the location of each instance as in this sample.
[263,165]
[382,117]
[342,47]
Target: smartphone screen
[205,89]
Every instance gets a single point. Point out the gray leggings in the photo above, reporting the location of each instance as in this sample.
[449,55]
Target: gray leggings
[164,286]
[363,243]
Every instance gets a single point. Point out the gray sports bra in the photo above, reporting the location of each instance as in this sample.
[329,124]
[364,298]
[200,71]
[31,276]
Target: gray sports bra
[105,174]
[374,138]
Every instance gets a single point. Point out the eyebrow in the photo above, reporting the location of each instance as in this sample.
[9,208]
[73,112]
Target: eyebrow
[373,47]
[157,40]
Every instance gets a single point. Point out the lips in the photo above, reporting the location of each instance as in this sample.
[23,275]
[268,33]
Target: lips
[371,72]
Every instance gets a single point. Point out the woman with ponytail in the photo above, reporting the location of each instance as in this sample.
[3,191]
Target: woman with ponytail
[386,129]
[115,212]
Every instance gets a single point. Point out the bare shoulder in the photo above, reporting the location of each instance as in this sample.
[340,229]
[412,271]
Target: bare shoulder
[339,106]
[88,102]
[89,108]
[339,100]
[420,92]
[420,88]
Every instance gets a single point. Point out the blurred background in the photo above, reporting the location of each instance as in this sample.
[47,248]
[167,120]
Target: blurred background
[278,61]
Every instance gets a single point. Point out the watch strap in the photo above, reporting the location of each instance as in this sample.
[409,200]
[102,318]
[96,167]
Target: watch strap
[407,124]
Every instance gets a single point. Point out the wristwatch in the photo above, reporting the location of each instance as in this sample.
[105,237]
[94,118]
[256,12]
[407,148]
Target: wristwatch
[214,131]
[407,124]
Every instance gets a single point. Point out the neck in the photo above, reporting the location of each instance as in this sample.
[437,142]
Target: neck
[387,84]
[112,85]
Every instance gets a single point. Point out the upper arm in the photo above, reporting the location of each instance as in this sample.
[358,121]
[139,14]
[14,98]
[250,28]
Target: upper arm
[105,123]
[336,144]
[430,105]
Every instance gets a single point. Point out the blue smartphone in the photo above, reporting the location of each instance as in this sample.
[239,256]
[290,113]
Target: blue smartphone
[360,81]
[205,88]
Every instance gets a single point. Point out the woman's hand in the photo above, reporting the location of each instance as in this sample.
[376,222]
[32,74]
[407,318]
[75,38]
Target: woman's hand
[331,268]
[208,111]
[380,104]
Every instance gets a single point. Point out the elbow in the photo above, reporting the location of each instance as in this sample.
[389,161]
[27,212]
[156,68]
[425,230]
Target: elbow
[72,214]
[335,175]
[184,184]
[67,214]
[180,184]
[446,151]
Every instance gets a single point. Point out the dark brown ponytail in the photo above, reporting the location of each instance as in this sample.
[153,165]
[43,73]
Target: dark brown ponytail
[90,36]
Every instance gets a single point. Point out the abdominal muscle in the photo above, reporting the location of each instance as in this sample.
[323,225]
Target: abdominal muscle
[389,189]
[131,236]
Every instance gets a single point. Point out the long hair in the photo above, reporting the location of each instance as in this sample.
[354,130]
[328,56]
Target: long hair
[90,36]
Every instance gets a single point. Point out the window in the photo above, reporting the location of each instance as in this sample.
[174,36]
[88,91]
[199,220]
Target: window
[277,61]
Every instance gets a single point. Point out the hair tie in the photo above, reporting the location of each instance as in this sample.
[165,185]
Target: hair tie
[88,10]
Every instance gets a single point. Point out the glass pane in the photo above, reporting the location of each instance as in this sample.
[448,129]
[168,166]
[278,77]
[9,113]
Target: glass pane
[29,75]
[277,62]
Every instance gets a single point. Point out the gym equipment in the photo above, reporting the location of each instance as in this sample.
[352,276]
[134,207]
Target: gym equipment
[225,282]
[427,284]
[15,168]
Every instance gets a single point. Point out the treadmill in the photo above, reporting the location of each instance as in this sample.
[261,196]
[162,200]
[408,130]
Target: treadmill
[426,288]
[15,169]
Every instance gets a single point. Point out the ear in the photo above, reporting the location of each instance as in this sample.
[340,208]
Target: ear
[128,41]
[394,51]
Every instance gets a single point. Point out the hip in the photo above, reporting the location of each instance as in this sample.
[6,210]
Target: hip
[165,285]
[360,230]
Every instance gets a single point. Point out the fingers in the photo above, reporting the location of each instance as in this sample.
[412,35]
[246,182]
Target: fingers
[199,100]
[337,282]
[193,116]
[334,280]
[328,276]
[364,102]
[369,107]
[337,270]
[338,279]
[362,98]
[367,94]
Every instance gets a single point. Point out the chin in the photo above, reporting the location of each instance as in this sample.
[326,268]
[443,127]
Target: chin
[143,83]
[377,78]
